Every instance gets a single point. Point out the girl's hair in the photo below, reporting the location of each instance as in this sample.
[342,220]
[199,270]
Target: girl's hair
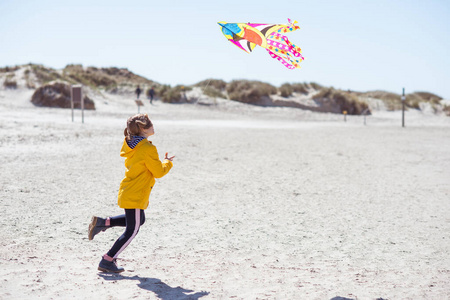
[135,124]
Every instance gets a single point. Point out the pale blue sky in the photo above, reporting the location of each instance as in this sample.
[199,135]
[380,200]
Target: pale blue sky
[357,45]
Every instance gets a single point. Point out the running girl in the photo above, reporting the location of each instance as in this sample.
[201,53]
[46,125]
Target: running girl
[142,167]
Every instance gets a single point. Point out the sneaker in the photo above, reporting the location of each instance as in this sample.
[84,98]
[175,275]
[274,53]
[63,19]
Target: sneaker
[109,266]
[97,225]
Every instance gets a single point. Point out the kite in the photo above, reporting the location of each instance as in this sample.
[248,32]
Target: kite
[269,36]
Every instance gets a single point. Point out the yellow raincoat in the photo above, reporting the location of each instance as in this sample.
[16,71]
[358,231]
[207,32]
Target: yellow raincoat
[142,167]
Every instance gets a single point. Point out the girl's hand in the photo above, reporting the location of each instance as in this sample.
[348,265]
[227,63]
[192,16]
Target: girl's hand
[169,158]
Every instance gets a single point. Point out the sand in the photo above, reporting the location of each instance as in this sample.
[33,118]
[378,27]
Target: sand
[262,203]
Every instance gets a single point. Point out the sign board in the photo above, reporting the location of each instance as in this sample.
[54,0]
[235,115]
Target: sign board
[139,104]
[76,96]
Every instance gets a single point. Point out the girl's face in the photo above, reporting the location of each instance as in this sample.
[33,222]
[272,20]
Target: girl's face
[148,132]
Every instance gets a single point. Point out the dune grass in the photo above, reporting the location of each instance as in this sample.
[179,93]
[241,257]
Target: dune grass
[288,89]
[120,80]
[413,100]
[341,101]
[214,88]
[446,110]
[9,69]
[248,91]
[217,84]
[176,94]
[10,84]
[45,75]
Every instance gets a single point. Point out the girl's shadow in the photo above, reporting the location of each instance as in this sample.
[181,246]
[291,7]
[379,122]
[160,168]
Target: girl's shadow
[162,290]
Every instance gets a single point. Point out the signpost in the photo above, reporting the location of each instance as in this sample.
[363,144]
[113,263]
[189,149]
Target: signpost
[139,104]
[76,96]
[365,114]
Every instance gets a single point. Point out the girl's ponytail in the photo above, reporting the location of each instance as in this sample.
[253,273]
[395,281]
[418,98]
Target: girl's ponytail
[127,134]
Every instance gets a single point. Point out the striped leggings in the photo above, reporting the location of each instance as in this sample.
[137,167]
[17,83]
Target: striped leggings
[133,219]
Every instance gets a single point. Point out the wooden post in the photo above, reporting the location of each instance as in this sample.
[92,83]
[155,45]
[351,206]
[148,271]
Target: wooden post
[345,115]
[139,104]
[403,108]
[76,96]
[365,114]
[82,106]
[71,101]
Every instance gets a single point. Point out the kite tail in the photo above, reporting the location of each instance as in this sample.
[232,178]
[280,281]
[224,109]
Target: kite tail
[296,51]
[285,63]
[294,62]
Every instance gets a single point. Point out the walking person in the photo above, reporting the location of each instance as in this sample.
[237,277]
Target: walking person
[138,91]
[142,167]
[151,94]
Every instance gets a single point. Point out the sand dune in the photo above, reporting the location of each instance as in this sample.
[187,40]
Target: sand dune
[262,203]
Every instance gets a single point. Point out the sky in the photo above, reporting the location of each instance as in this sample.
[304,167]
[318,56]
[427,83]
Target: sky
[351,45]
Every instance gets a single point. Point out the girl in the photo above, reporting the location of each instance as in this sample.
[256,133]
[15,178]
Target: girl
[142,167]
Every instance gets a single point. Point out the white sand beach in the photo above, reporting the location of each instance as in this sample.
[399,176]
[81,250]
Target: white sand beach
[262,203]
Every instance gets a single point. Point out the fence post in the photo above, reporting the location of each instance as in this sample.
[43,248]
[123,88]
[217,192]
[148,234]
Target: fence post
[76,96]
[403,108]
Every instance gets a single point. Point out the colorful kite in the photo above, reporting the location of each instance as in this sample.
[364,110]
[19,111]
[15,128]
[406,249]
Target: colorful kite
[268,36]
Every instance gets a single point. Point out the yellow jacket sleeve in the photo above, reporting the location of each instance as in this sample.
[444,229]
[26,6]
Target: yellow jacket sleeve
[155,166]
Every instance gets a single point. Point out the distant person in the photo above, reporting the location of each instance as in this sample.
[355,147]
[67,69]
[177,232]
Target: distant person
[142,167]
[151,94]
[138,91]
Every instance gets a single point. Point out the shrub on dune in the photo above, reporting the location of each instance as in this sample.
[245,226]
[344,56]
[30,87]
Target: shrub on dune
[338,101]
[251,92]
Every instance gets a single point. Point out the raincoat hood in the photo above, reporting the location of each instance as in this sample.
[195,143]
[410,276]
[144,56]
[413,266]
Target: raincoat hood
[126,151]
